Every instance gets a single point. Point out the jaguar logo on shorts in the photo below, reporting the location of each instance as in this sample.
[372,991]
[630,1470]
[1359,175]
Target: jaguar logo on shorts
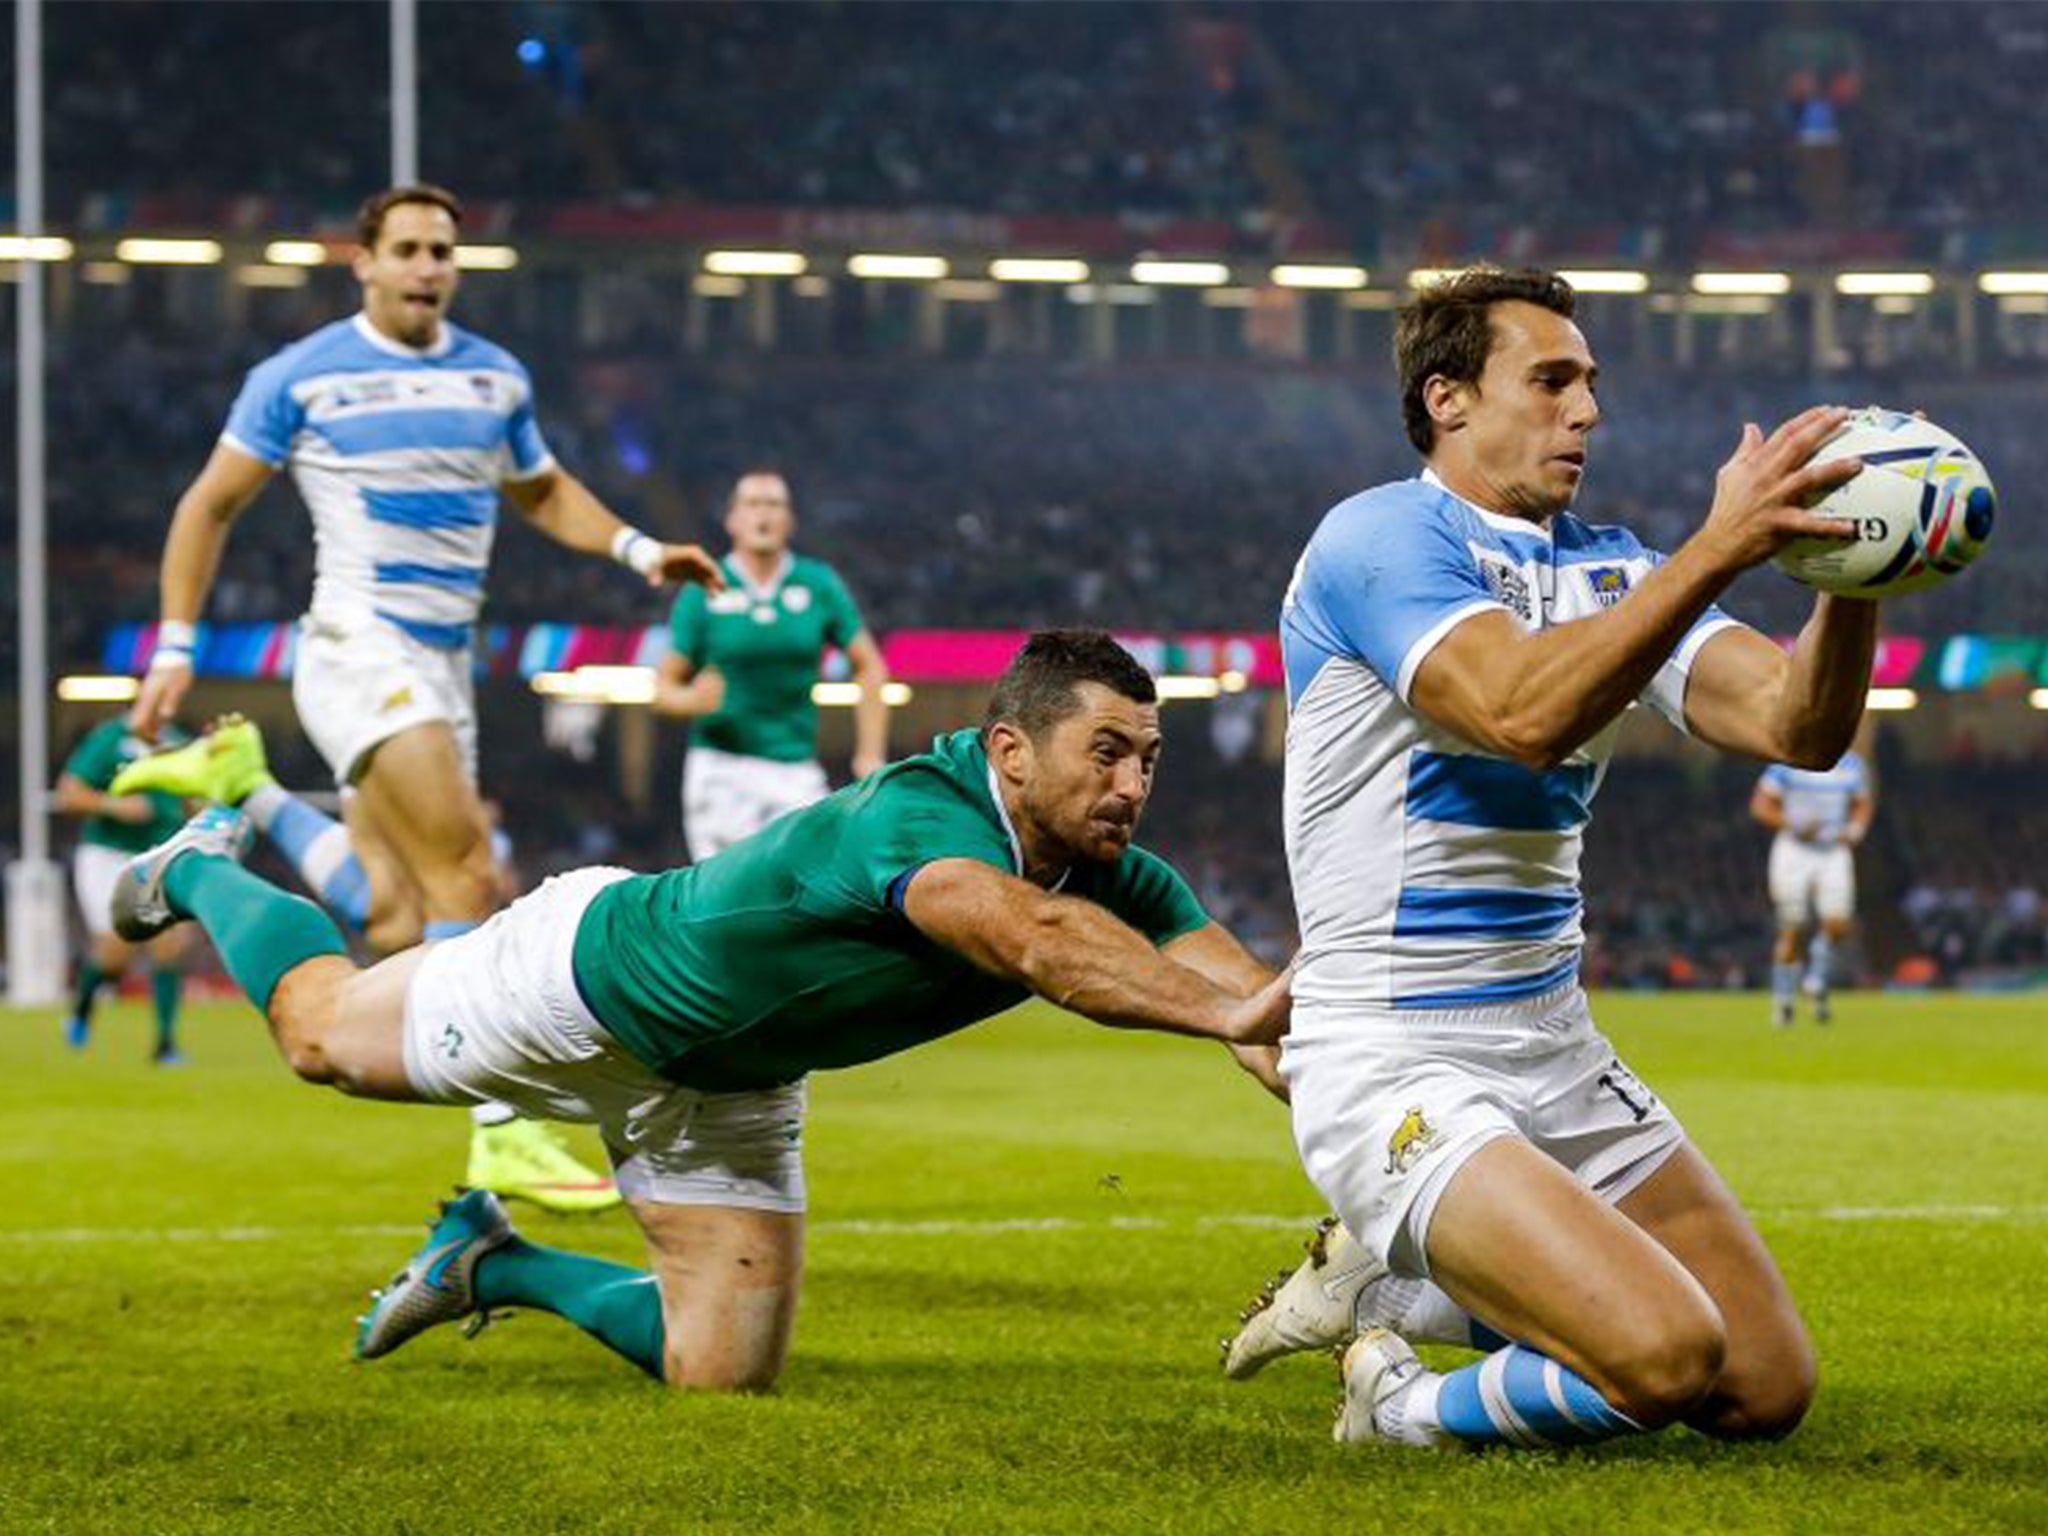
[1412,1139]
[451,1042]
[398,699]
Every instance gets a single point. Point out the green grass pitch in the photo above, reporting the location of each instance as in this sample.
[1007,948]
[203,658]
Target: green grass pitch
[1026,1243]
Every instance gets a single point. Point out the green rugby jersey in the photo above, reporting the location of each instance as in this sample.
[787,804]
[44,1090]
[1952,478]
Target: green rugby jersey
[108,748]
[768,642]
[790,952]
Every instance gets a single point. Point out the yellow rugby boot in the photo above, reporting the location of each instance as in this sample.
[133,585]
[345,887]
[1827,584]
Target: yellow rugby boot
[525,1160]
[225,764]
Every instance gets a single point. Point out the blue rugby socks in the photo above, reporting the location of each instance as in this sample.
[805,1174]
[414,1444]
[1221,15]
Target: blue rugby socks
[1514,1396]
[317,846]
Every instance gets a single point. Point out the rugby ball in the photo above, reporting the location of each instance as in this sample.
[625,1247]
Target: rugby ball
[1922,509]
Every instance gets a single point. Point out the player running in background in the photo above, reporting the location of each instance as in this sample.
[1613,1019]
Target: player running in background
[681,1012]
[742,663]
[402,431]
[115,829]
[1820,816]
[1460,650]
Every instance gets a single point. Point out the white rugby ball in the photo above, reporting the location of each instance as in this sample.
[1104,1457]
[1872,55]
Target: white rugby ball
[1922,509]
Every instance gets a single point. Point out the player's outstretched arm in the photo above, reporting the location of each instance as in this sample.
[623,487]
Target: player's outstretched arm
[1743,694]
[1216,953]
[871,713]
[223,490]
[1538,698]
[568,511]
[1767,808]
[75,797]
[1081,956]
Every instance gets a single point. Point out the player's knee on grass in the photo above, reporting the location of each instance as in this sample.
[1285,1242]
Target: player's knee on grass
[1769,1400]
[1673,1369]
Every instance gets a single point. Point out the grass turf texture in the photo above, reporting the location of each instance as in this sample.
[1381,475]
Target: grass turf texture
[181,1254]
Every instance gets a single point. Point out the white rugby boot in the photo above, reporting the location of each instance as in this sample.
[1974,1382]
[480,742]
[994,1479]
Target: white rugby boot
[1376,1366]
[1315,1307]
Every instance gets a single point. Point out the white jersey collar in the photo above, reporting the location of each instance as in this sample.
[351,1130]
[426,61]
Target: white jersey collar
[397,348]
[995,793]
[767,589]
[1505,522]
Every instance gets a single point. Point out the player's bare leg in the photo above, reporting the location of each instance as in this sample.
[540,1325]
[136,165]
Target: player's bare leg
[1785,962]
[729,1279]
[1820,965]
[396,919]
[419,799]
[1767,1378]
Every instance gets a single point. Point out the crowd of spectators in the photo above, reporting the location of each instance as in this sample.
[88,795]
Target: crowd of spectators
[1676,123]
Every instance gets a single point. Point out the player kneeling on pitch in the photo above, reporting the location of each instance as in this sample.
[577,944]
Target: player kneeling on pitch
[680,1012]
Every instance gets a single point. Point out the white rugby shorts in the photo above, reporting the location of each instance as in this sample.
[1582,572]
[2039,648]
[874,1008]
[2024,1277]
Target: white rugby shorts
[1389,1105]
[358,682]
[495,1016]
[727,796]
[1809,881]
[94,869]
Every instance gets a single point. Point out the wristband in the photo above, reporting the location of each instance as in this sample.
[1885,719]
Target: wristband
[631,547]
[175,642]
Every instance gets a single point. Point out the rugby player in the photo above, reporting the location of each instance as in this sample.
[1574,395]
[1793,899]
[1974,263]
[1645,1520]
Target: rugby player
[742,663]
[115,828]
[681,1012]
[402,431]
[1820,818]
[1460,649]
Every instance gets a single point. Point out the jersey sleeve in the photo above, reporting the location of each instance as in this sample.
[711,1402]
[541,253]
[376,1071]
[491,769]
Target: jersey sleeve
[529,450]
[908,823]
[96,759]
[265,417]
[1385,582]
[688,623]
[1775,779]
[1666,693]
[1151,896]
[842,613]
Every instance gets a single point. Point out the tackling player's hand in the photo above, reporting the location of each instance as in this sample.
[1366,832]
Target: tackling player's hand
[1764,493]
[163,689]
[686,563]
[1262,1018]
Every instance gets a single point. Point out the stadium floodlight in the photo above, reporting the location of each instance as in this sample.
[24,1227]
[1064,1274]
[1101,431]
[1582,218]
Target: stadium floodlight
[2013,282]
[875,264]
[295,253]
[259,276]
[1870,285]
[88,689]
[598,685]
[1606,280]
[756,263]
[715,285]
[144,251]
[486,258]
[1429,277]
[1038,269]
[34,248]
[1742,284]
[1179,274]
[1232,681]
[1891,699]
[2038,698]
[1312,275]
[844,695]
[1174,685]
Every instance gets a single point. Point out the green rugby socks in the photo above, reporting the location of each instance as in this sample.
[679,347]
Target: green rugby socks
[165,986]
[260,931]
[618,1306]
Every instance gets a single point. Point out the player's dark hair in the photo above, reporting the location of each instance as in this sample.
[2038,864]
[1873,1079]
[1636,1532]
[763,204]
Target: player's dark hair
[732,493]
[1040,686]
[370,217]
[1446,331]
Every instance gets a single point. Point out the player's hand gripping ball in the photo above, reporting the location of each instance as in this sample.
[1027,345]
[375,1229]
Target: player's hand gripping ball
[1922,509]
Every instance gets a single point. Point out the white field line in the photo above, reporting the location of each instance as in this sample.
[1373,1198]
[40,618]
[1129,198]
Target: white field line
[946,1227]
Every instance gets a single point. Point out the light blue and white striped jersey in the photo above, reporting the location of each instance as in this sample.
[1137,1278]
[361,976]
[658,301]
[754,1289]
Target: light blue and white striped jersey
[1427,872]
[1817,800]
[399,454]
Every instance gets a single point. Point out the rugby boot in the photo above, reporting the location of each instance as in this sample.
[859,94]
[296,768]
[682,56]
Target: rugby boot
[525,1160]
[226,763]
[1315,1307]
[1376,1366]
[438,1283]
[140,909]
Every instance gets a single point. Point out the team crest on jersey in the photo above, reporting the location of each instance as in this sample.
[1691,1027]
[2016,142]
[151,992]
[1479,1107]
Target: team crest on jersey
[796,599]
[1608,583]
[485,386]
[368,391]
[1509,586]
[1413,1138]
[729,601]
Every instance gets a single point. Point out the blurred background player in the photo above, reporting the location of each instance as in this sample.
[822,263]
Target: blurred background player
[742,665]
[1820,816]
[402,432]
[116,828]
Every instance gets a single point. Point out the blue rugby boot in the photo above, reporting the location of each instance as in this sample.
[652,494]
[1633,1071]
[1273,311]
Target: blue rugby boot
[438,1283]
